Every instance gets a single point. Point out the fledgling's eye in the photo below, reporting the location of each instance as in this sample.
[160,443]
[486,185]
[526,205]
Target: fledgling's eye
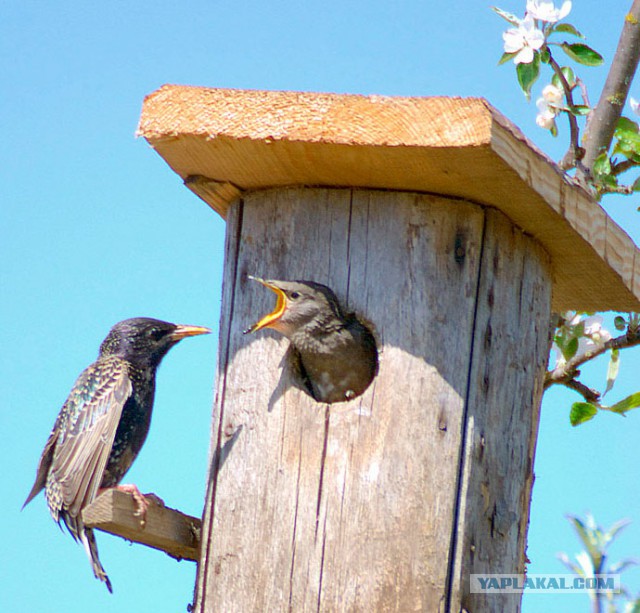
[294,295]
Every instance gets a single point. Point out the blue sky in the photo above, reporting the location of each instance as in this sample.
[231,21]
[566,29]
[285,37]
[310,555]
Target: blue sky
[95,228]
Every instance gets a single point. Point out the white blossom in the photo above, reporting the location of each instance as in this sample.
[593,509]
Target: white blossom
[546,11]
[553,95]
[523,40]
[549,106]
[560,359]
[546,117]
[575,319]
[635,105]
[595,334]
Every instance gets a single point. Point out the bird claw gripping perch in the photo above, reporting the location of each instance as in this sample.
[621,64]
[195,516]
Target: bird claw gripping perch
[141,501]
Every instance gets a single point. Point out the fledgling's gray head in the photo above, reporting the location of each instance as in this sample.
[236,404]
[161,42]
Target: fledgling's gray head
[299,304]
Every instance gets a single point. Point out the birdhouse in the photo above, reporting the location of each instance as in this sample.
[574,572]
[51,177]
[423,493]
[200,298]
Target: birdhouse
[452,239]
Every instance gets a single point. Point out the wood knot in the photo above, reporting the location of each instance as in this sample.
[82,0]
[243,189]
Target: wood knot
[459,251]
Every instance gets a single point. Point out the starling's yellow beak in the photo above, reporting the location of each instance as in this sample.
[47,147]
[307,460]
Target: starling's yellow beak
[183,331]
[278,311]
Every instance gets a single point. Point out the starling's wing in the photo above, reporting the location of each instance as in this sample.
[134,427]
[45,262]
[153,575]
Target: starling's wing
[89,420]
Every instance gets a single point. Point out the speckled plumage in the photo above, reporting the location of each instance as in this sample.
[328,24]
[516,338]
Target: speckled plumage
[104,423]
[337,354]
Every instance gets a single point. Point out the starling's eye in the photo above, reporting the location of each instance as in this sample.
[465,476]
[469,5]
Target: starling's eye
[155,333]
[294,295]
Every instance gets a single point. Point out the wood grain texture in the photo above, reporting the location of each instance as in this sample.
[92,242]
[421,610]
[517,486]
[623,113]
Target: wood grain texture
[510,352]
[217,194]
[223,434]
[354,507]
[246,140]
[165,529]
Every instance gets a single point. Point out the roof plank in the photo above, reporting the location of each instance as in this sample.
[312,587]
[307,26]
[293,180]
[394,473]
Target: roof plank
[224,142]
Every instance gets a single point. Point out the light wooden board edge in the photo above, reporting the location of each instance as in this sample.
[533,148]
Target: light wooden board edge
[578,209]
[165,529]
[594,259]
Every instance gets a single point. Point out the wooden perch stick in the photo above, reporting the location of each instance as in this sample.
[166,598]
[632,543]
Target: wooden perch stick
[166,529]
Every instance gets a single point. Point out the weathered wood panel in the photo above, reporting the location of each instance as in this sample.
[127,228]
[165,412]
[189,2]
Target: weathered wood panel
[389,521]
[355,507]
[310,494]
[510,353]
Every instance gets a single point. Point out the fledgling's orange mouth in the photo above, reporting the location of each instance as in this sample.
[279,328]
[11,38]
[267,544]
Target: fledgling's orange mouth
[278,311]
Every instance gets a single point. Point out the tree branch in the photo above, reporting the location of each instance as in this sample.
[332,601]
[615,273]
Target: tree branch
[590,395]
[575,153]
[583,92]
[622,166]
[566,374]
[602,122]
[620,189]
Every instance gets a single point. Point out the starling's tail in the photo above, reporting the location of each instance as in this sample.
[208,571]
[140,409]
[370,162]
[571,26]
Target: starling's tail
[91,547]
[83,534]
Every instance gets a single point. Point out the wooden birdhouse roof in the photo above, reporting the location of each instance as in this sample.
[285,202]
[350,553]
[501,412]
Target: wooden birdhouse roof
[224,142]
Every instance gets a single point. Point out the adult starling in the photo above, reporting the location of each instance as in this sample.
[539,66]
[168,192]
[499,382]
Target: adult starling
[103,424]
[337,354]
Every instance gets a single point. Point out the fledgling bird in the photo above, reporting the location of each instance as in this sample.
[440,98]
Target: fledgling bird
[103,424]
[337,353]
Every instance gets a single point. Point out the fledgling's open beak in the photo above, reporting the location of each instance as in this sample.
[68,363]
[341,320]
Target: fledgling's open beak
[278,311]
[183,331]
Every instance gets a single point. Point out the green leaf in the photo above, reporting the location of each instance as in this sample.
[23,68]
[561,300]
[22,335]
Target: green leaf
[628,403]
[569,76]
[582,54]
[627,139]
[581,412]
[636,185]
[619,323]
[609,182]
[566,28]
[625,125]
[624,148]
[587,536]
[505,57]
[602,165]
[545,55]
[528,74]
[511,18]
[580,109]
[612,371]
[570,348]
[580,528]
[628,136]
[628,142]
